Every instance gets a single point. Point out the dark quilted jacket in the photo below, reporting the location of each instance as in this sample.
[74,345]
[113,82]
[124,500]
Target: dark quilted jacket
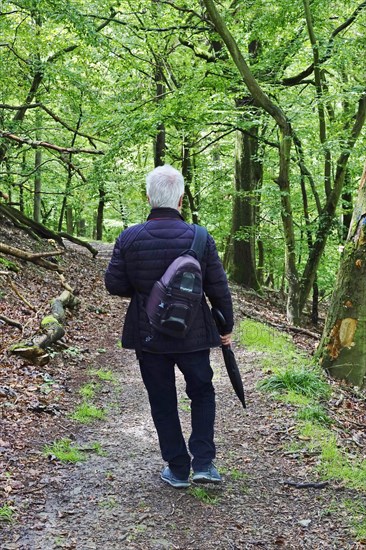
[141,255]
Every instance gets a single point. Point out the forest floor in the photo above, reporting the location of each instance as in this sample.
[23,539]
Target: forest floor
[114,498]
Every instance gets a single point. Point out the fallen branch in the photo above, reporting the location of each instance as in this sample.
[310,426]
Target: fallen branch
[65,284]
[11,322]
[289,328]
[307,485]
[30,257]
[80,242]
[22,221]
[20,295]
[36,255]
[51,330]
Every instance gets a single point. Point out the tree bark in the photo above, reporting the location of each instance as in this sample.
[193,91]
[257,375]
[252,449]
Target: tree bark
[342,350]
[187,172]
[261,99]
[243,266]
[37,187]
[100,212]
[34,258]
[159,143]
[35,350]
[23,220]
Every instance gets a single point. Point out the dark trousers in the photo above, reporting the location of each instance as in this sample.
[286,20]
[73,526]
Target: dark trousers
[158,374]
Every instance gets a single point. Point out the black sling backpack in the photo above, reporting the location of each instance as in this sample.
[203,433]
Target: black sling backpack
[175,298]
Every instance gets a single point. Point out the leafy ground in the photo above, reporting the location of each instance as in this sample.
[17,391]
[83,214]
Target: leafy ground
[113,498]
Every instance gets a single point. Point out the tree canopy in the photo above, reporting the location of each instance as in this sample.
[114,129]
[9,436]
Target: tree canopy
[260,104]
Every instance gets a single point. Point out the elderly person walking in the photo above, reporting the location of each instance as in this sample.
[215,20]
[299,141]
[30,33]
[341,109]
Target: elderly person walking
[141,255]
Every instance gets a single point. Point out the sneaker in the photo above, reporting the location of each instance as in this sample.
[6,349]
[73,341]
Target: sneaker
[168,476]
[208,475]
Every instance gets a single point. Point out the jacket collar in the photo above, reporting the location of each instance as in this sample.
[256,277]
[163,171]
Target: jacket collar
[165,212]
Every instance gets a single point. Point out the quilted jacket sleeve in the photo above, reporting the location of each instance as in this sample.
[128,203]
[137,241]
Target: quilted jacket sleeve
[116,278]
[215,285]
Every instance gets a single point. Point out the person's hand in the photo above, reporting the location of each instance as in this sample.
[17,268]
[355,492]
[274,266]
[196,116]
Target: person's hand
[226,339]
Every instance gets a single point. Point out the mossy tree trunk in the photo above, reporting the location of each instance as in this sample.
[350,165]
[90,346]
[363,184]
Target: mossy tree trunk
[342,351]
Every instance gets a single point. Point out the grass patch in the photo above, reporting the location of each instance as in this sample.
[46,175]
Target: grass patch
[357,511]
[260,337]
[88,390]
[203,495]
[6,512]
[305,382]
[86,412]
[314,413]
[105,375]
[333,462]
[237,475]
[292,379]
[185,404]
[336,464]
[64,451]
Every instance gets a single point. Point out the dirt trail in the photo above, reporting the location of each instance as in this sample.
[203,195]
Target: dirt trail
[118,501]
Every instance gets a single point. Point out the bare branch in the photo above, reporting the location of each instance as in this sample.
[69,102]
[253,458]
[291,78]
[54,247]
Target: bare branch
[9,321]
[35,144]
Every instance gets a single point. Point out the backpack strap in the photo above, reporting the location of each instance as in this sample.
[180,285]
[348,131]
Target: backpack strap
[199,241]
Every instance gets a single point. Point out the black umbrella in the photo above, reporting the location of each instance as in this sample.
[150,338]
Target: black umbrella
[229,358]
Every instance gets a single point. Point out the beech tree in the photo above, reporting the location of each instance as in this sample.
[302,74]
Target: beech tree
[299,285]
[342,350]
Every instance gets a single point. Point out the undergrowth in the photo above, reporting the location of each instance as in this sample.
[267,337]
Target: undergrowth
[65,451]
[292,377]
[87,412]
[6,512]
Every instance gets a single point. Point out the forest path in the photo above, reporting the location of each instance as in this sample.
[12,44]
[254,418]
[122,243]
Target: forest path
[117,500]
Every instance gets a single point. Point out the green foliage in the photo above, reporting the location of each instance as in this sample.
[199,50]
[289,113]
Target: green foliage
[203,495]
[72,351]
[338,465]
[304,382]
[314,413]
[291,374]
[10,266]
[64,450]
[95,82]
[86,412]
[88,390]
[260,337]
[357,515]
[6,512]
[105,375]
[237,475]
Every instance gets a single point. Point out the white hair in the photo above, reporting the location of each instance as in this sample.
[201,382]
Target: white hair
[164,187]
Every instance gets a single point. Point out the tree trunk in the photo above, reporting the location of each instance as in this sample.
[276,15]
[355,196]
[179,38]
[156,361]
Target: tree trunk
[100,212]
[69,219]
[37,187]
[342,350]
[159,143]
[261,99]
[187,172]
[242,265]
